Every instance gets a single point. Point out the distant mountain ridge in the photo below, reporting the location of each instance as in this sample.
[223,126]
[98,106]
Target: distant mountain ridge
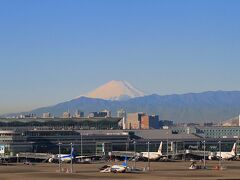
[192,107]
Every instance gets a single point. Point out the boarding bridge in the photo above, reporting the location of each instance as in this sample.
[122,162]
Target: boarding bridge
[198,152]
[36,156]
[22,157]
[123,154]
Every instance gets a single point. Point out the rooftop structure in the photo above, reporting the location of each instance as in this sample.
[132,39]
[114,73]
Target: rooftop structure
[46,115]
[142,121]
[79,114]
[62,123]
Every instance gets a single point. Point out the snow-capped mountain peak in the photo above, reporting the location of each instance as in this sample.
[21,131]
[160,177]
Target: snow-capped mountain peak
[115,90]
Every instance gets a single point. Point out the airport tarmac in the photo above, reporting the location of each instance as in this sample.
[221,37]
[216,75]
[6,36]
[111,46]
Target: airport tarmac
[158,170]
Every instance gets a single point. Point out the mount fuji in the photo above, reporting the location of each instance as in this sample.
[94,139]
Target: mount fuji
[115,90]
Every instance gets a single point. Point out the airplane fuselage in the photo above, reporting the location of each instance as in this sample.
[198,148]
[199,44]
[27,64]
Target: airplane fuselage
[118,168]
[65,157]
[151,155]
[225,155]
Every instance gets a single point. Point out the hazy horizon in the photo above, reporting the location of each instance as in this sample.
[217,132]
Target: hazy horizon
[85,95]
[52,51]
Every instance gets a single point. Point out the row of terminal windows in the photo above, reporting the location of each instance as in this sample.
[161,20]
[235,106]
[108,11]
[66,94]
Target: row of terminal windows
[222,130]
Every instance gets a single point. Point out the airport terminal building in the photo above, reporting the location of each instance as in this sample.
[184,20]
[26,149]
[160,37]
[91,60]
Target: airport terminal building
[99,136]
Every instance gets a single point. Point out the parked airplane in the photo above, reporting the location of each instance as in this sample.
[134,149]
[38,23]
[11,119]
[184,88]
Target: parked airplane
[68,157]
[153,155]
[224,155]
[62,157]
[115,168]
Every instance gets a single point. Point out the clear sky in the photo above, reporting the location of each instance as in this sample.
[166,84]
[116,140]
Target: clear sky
[54,50]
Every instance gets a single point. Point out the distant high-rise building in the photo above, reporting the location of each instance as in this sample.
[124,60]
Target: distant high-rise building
[108,112]
[165,123]
[104,113]
[134,120]
[141,120]
[79,114]
[97,114]
[46,115]
[149,122]
[21,116]
[121,113]
[66,115]
[30,116]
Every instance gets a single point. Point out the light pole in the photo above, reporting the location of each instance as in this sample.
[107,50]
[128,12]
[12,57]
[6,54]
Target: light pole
[59,156]
[4,146]
[126,148]
[81,144]
[167,144]
[220,155]
[134,143]
[17,158]
[237,141]
[204,154]
[184,150]
[176,148]
[148,156]
[71,158]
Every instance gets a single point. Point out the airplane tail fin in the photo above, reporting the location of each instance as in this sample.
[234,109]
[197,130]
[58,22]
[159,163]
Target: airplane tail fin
[234,148]
[72,152]
[125,161]
[160,148]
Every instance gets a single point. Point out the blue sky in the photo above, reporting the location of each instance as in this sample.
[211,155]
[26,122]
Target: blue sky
[51,51]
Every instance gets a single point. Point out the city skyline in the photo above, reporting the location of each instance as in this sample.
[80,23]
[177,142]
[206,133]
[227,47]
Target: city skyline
[54,51]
